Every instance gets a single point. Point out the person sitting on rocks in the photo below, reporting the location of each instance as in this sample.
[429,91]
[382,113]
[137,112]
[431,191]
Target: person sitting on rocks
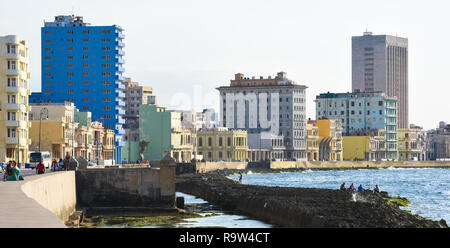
[343,187]
[352,187]
[376,189]
[360,188]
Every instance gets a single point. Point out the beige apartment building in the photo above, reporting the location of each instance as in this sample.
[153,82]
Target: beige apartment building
[135,96]
[14,93]
[217,144]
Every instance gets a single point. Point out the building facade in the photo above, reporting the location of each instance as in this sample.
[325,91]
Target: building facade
[312,141]
[438,142]
[53,128]
[330,139]
[361,111]
[165,135]
[365,145]
[14,93]
[83,64]
[267,105]
[221,144]
[412,143]
[135,96]
[380,63]
[265,147]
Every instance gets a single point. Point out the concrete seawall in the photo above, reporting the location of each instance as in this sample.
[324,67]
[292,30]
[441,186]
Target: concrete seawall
[205,167]
[43,201]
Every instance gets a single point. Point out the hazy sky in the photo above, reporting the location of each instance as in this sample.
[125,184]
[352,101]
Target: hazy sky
[185,49]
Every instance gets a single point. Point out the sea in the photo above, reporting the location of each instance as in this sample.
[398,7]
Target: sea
[428,189]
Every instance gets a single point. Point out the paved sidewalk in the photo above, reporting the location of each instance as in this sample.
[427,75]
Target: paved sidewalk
[19,211]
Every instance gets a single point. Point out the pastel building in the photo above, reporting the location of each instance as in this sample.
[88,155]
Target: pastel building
[14,93]
[83,64]
[329,139]
[165,135]
[53,128]
[273,105]
[312,141]
[365,145]
[362,111]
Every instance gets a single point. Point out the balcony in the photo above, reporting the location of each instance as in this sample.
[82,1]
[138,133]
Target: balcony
[121,103]
[121,94]
[12,72]
[122,112]
[12,123]
[12,89]
[120,77]
[121,44]
[12,141]
[121,35]
[13,56]
[120,61]
[121,52]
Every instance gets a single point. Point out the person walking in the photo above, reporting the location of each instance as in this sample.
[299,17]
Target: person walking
[60,165]
[54,165]
[240,177]
[7,172]
[67,161]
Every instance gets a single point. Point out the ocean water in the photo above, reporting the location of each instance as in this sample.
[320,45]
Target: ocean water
[428,190]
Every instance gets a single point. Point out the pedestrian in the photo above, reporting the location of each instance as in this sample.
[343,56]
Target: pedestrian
[67,161]
[54,165]
[240,177]
[343,187]
[376,189]
[40,168]
[360,188]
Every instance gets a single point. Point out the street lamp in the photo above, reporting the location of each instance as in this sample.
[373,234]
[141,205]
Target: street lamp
[44,111]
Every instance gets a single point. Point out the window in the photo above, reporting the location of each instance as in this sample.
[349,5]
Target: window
[106,74]
[85,65]
[70,74]
[106,48]
[86,74]
[85,91]
[353,104]
[380,103]
[70,49]
[106,31]
[85,48]
[11,65]
[86,40]
[85,56]
[229,141]
[70,40]
[85,31]
[47,49]
[106,82]
[47,32]
[106,91]
[70,82]
[85,99]
[106,65]
[70,31]
[106,40]
[106,100]
[200,141]
[69,57]
[106,57]
[12,82]
[70,66]
[220,142]
[85,82]
[85,108]
[209,141]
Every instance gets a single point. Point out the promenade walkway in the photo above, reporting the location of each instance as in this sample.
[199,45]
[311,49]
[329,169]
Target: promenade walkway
[17,210]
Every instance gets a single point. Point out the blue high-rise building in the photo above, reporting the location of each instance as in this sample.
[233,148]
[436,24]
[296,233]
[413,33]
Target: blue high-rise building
[83,64]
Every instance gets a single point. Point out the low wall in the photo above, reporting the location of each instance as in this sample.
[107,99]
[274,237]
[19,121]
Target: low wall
[40,201]
[125,187]
[355,164]
[204,167]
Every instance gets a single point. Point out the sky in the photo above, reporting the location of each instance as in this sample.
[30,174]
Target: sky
[186,49]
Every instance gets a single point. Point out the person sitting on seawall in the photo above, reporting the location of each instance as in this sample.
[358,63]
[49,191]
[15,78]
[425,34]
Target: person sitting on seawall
[40,168]
[360,188]
[60,164]
[15,172]
[376,189]
[343,187]
[352,187]
[7,172]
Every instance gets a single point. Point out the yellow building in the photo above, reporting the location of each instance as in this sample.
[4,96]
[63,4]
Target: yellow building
[219,144]
[52,128]
[330,139]
[312,142]
[183,144]
[356,148]
[367,145]
[14,93]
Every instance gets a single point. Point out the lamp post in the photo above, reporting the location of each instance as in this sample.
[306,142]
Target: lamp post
[44,111]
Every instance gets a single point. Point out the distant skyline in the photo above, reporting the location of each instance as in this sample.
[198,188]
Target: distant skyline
[186,49]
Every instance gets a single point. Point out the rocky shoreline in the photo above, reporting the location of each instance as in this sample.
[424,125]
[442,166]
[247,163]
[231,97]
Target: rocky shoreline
[302,207]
